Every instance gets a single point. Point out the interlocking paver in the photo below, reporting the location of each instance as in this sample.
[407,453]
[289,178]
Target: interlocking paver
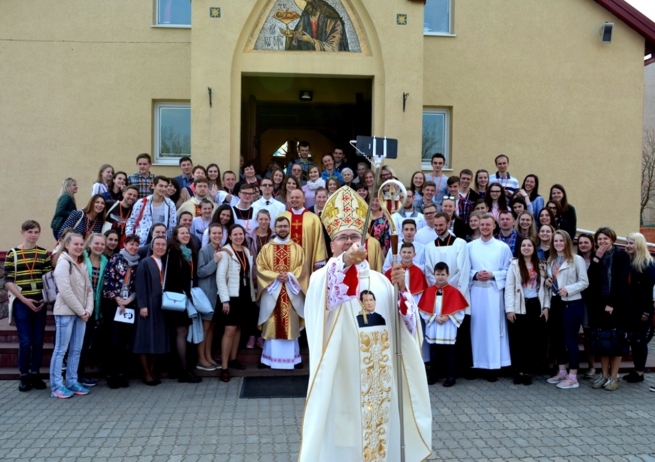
[475,420]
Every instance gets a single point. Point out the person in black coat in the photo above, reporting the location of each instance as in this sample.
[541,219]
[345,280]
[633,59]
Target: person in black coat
[181,275]
[607,303]
[566,216]
[151,333]
[640,314]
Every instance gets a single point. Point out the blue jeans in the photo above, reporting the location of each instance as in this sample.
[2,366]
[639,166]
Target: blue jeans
[31,329]
[70,336]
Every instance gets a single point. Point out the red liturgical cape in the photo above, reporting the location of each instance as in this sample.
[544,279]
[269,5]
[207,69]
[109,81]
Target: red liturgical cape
[417,281]
[453,300]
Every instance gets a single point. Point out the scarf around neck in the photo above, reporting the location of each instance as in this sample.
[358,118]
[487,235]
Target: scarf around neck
[314,185]
[186,252]
[132,260]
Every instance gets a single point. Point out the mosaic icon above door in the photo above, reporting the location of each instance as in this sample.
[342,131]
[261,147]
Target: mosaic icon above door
[308,25]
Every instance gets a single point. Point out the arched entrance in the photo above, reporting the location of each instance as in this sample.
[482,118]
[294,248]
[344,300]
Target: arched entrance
[278,110]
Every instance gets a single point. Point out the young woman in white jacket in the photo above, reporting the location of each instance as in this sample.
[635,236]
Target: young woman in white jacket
[526,304]
[567,278]
[73,307]
[236,293]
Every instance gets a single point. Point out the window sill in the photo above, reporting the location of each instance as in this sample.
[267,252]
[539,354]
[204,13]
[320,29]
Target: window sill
[439,34]
[166,163]
[171,26]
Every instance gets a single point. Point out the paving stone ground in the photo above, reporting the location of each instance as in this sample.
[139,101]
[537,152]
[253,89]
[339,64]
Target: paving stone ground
[475,420]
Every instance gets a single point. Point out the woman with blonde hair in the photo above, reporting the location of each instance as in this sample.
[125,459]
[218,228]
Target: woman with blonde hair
[640,314]
[65,205]
[567,278]
[73,308]
[416,186]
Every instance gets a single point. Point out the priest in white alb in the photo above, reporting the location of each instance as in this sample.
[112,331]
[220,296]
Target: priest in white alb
[282,283]
[352,409]
[490,260]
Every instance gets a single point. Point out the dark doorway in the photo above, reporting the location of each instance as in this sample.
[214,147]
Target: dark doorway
[275,119]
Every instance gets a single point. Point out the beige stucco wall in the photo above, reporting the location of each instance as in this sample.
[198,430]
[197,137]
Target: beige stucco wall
[532,79]
[73,95]
[525,77]
[395,63]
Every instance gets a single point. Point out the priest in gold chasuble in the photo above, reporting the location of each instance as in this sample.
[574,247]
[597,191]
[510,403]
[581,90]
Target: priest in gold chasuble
[282,284]
[352,409]
[306,231]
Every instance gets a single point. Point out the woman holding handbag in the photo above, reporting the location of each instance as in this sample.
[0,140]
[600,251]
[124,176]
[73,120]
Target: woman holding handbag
[180,276]
[236,293]
[118,294]
[73,308]
[527,301]
[567,278]
[151,332]
[641,282]
[609,272]
[208,259]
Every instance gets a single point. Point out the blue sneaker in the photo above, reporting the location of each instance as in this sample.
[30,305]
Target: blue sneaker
[78,389]
[88,382]
[61,392]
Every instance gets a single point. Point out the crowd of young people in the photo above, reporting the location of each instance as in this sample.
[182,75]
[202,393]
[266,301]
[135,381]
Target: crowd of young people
[505,249]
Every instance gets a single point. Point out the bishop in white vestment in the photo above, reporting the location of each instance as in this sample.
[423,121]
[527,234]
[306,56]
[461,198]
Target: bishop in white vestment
[352,412]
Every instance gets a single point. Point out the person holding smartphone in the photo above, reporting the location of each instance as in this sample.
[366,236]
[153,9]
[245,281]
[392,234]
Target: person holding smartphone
[25,266]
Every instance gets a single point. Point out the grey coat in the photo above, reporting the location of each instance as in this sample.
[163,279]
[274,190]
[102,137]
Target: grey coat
[207,275]
[151,333]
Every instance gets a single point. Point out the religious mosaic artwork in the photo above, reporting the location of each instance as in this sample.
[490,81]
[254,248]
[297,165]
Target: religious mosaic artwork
[308,25]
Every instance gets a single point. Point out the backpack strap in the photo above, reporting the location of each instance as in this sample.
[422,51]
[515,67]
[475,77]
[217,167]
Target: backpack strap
[141,212]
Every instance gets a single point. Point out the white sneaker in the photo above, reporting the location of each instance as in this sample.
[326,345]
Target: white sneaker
[557,378]
[590,373]
[568,382]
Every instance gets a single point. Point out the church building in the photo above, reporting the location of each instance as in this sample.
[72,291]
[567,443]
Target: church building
[555,85]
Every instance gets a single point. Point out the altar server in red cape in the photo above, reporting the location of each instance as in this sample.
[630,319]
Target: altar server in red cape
[442,308]
[414,278]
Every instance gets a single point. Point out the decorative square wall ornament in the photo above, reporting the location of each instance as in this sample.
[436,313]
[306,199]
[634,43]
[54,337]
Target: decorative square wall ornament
[214,12]
[401,19]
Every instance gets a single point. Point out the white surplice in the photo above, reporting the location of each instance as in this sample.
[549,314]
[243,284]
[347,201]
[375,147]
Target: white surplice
[456,256]
[489,339]
[351,413]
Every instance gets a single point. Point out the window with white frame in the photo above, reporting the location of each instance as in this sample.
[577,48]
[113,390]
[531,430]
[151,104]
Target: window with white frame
[173,12]
[172,132]
[438,17]
[436,135]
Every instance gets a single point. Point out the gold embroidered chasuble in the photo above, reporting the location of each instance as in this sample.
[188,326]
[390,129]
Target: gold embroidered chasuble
[312,241]
[280,308]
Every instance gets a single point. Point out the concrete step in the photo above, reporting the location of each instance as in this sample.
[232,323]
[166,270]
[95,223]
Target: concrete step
[11,372]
